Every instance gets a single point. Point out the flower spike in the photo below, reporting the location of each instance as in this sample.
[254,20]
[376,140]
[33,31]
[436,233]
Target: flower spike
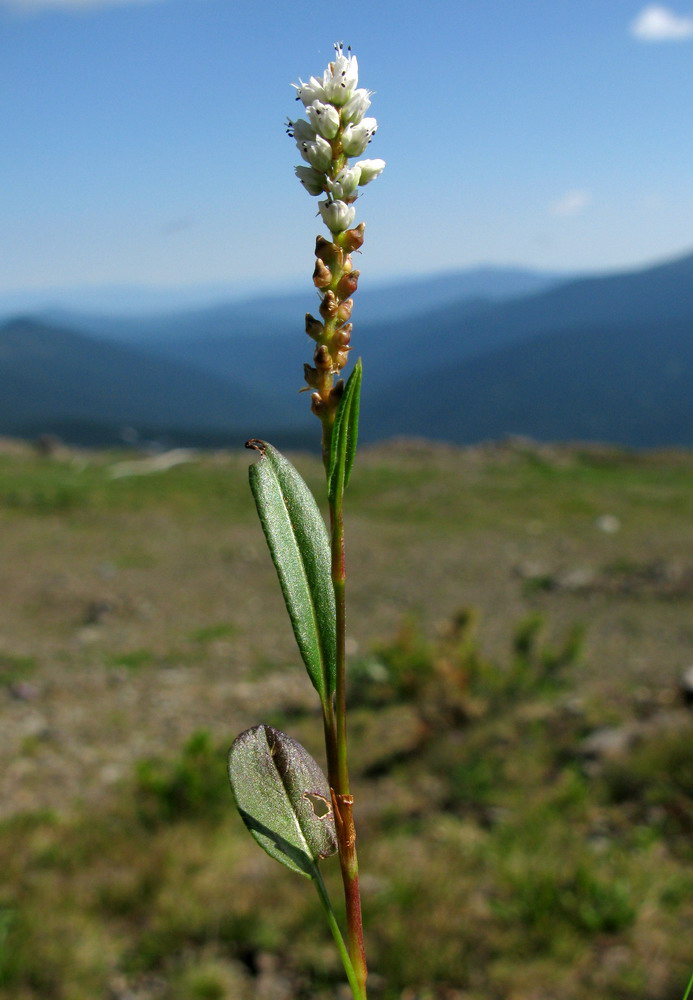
[334,130]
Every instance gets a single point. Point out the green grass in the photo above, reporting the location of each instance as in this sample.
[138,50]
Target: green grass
[14,667]
[133,660]
[211,633]
[84,486]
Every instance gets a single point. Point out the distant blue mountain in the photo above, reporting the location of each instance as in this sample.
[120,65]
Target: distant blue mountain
[55,380]
[606,359]
[178,330]
[593,358]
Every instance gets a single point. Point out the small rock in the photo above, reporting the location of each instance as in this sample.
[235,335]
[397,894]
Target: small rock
[271,983]
[608,742]
[21,691]
[97,610]
[686,686]
[47,445]
[107,570]
[578,579]
[609,524]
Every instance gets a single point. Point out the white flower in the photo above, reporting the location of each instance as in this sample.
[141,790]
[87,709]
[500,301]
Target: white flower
[312,181]
[357,105]
[341,77]
[355,138]
[336,215]
[318,153]
[309,92]
[345,183]
[324,119]
[369,170]
[336,131]
[302,131]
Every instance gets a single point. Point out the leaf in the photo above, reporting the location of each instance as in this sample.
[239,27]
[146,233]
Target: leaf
[283,798]
[345,435]
[300,548]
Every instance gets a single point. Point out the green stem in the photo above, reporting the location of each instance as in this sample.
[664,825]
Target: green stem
[334,718]
[339,584]
[338,766]
[359,994]
[688,990]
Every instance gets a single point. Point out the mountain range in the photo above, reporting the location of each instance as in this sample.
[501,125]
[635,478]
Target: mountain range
[460,357]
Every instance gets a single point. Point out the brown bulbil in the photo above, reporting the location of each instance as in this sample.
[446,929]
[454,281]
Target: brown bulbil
[314,327]
[328,253]
[329,305]
[337,280]
[322,357]
[312,376]
[348,284]
[342,337]
[352,239]
[344,311]
[322,276]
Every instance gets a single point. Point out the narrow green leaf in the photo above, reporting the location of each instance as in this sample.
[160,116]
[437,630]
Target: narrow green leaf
[300,548]
[345,435]
[283,798]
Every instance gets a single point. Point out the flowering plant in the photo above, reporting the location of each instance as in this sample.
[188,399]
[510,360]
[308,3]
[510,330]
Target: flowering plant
[296,814]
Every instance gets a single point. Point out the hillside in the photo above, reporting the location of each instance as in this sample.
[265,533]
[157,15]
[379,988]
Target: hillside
[280,314]
[600,358]
[56,380]
[626,384]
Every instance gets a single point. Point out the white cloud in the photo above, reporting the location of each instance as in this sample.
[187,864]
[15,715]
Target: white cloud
[660,24]
[571,203]
[29,6]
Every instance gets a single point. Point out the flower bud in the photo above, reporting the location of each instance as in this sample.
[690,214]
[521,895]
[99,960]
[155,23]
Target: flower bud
[370,169]
[342,358]
[329,305]
[336,215]
[322,276]
[355,138]
[314,327]
[313,182]
[317,405]
[356,107]
[324,119]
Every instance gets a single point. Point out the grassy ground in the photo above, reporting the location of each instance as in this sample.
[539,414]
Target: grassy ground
[523,760]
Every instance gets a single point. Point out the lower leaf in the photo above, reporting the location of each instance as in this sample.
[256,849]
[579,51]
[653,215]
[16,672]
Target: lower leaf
[283,798]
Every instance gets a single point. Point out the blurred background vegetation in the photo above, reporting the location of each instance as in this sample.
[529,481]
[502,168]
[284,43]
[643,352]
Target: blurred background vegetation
[520,621]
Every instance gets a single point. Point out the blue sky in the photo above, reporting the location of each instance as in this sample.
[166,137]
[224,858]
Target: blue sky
[143,140]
